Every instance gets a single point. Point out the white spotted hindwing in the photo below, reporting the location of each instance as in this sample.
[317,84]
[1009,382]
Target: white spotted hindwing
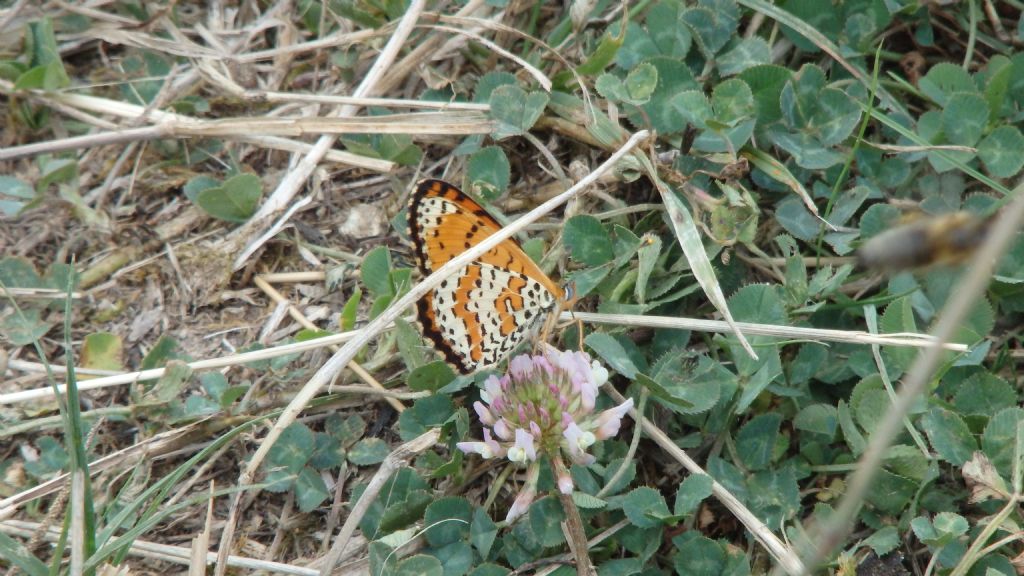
[478,315]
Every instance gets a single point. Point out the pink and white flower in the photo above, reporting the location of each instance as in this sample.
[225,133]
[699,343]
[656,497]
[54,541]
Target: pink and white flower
[544,406]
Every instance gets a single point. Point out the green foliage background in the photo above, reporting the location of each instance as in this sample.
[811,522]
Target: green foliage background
[790,133]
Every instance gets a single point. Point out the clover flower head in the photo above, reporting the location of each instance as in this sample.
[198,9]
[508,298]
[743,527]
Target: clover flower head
[544,406]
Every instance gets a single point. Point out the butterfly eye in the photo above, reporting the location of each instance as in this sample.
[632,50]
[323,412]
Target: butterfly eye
[570,290]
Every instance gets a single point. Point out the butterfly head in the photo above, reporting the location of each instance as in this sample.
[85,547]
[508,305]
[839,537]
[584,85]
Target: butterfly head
[569,296]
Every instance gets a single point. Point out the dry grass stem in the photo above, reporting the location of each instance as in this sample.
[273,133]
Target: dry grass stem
[77,516]
[422,123]
[908,149]
[134,112]
[201,543]
[539,76]
[376,102]
[55,422]
[398,458]
[497,26]
[39,367]
[555,562]
[154,373]
[37,293]
[336,40]
[9,14]
[792,332]
[162,443]
[176,554]
[789,332]
[783,554]
[299,317]
[283,277]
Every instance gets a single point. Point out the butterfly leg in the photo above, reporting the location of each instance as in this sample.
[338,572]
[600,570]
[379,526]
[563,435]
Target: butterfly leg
[550,323]
[579,333]
[579,328]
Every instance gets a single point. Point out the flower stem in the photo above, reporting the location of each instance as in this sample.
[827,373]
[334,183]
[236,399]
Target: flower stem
[576,536]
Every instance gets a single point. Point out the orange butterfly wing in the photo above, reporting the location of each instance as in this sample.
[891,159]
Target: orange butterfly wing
[482,312]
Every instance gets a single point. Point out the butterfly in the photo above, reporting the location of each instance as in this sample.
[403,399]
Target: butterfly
[478,315]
